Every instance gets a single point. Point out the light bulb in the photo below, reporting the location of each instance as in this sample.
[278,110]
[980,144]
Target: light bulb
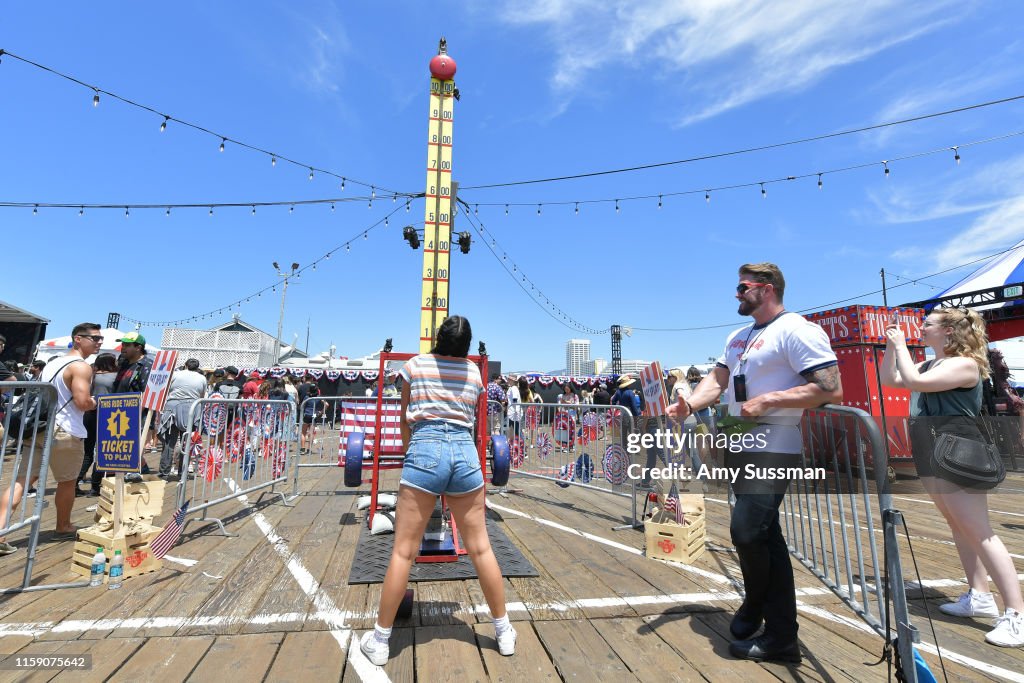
[347,248]
[343,183]
[407,206]
[707,196]
[96,99]
[291,209]
[222,141]
[254,210]
[577,211]
[35,210]
[332,207]
[273,160]
[538,209]
[385,224]
[373,193]
[616,206]
[81,210]
[126,212]
[365,236]
[956,155]
[314,265]
[764,194]
[168,211]
[886,165]
[310,172]
[819,181]
[163,125]
[659,201]
[506,209]
[211,210]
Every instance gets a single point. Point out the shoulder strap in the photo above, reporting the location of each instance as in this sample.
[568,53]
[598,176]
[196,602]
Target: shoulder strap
[63,368]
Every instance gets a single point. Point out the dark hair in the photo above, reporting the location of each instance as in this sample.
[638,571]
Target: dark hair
[693,375]
[82,328]
[192,364]
[768,273]
[40,363]
[105,362]
[231,370]
[314,390]
[1001,380]
[12,365]
[524,388]
[453,337]
[568,387]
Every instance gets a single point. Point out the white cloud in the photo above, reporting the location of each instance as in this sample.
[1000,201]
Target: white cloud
[729,52]
[987,234]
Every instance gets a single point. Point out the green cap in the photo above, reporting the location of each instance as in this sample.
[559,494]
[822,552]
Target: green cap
[133,338]
[117,552]
[99,550]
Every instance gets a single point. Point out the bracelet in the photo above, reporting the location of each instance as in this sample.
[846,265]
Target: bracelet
[692,411]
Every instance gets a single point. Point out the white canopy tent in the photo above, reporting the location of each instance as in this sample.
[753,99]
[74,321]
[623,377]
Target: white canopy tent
[58,346]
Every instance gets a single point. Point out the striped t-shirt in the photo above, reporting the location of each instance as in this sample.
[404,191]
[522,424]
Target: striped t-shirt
[442,388]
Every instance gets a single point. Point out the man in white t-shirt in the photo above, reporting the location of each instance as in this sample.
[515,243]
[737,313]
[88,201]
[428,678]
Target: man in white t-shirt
[774,369]
[187,386]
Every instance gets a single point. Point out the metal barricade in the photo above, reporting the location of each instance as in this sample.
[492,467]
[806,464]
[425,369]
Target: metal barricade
[832,523]
[324,431]
[582,445]
[24,452]
[238,446]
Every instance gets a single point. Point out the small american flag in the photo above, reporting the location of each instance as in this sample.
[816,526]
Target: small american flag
[672,504]
[171,533]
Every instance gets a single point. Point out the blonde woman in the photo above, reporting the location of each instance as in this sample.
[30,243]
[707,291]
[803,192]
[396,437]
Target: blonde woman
[950,386]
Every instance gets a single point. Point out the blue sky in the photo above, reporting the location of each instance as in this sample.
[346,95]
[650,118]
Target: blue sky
[548,89]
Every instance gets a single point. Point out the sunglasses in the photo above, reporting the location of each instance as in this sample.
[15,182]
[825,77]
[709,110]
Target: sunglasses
[95,337]
[746,285]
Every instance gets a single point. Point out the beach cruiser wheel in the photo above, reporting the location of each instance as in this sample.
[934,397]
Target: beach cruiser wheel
[502,460]
[354,460]
[405,607]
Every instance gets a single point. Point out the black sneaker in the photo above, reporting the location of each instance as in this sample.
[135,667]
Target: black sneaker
[765,648]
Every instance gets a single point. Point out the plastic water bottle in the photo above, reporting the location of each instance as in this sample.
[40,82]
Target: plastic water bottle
[116,571]
[99,568]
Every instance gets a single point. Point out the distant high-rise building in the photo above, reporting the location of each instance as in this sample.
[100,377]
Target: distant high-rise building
[577,353]
[634,366]
[595,366]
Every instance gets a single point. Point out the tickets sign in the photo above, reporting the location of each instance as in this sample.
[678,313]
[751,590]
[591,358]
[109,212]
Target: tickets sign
[866,324]
[117,433]
[159,380]
[653,386]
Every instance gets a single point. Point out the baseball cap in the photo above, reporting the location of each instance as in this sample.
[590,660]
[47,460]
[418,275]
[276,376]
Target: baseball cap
[133,338]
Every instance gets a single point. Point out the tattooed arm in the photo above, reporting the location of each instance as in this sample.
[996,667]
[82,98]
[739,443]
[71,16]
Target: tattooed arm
[823,386]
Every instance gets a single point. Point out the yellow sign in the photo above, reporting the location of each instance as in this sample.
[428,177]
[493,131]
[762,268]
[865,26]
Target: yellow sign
[437,220]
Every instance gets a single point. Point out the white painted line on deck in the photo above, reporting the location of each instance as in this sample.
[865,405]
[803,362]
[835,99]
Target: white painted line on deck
[326,610]
[180,560]
[932,502]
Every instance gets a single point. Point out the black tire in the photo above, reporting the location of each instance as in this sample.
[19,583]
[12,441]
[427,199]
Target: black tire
[354,460]
[502,464]
[405,607]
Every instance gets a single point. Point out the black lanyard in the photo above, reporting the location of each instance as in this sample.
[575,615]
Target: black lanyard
[746,345]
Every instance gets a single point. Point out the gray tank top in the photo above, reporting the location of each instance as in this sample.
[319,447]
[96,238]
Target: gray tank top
[959,401]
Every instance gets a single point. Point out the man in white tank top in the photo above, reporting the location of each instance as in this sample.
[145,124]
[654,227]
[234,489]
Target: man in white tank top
[72,377]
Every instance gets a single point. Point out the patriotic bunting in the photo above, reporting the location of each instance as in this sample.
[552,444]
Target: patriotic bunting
[333,375]
[316,374]
[350,375]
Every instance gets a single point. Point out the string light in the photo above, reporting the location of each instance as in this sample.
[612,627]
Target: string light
[273,160]
[96,98]
[538,209]
[35,210]
[616,206]
[819,181]
[373,192]
[332,207]
[222,141]
[211,210]
[659,201]
[506,209]
[342,184]
[291,209]
[885,164]
[310,172]
[764,193]
[81,211]
[707,196]
[126,212]
[407,206]
[168,211]
[577,210]
[163,125]
[253,209]
[956,155]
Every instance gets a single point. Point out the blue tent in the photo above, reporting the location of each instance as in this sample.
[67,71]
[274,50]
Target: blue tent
[1007,269]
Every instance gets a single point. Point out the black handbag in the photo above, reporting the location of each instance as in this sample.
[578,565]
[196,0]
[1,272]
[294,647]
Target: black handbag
[967,462]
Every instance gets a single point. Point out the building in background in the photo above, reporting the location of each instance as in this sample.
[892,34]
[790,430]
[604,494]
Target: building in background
[577,354]
[235,343]
[597,366]
[633,367]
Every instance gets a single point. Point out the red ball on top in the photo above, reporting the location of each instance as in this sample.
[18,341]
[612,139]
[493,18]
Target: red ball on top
[442,67]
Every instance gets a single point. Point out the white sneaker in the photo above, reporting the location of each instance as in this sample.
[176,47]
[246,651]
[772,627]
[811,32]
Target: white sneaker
[972,604]
[376,651]
[507,642]
[1009,630]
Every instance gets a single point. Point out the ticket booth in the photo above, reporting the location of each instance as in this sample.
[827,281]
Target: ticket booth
[857,335]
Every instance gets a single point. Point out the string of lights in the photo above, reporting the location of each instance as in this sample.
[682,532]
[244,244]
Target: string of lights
[209,206]
[830,304]
[223,140]
[749,150]
[912,280]
[521,279]
[884,164]
[237,304]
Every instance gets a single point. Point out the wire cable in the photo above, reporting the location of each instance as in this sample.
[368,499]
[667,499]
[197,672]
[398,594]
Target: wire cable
[748,150]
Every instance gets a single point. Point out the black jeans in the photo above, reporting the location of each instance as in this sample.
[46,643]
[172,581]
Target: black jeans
[167,457]
[764,557]
[89,420]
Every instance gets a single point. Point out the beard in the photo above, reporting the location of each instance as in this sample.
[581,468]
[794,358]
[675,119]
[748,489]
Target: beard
[747,307]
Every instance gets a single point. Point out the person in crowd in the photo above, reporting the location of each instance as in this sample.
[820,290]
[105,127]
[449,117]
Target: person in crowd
[312,410]
[133,374]
[252,387]
[187,386]
[601,395]
[777,366]
[439,398]
[35,370]
[693,378]
[303,388]
[72,377]
[292,391]
[104,374]
[228,387]
[497,403]
[518,394]
[946,398]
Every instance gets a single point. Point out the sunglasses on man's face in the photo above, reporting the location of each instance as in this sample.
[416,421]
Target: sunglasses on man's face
[746,285]
[95,337]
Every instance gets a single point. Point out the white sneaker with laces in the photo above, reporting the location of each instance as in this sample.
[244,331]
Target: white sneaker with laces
[376,651]
[507,642]
[1008,631]
[972,604]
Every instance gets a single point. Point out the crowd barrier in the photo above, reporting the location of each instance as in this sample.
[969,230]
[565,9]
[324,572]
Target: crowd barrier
[25,448]
[832,524]
[581,445]
[237,447]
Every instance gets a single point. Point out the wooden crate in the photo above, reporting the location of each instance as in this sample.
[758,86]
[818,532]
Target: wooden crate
[133,541]
[666,540]
[142,501]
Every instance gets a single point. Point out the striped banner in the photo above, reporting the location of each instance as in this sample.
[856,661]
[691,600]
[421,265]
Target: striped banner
[361,416]
[653,387]
[159,380]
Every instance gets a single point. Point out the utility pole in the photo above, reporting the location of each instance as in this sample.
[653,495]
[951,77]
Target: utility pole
[885,298]
[284,292]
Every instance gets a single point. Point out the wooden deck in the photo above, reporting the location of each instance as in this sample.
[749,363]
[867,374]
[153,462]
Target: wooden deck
[272,604]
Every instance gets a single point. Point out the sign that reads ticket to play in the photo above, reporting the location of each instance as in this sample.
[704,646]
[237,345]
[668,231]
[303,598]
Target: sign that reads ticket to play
[117,432]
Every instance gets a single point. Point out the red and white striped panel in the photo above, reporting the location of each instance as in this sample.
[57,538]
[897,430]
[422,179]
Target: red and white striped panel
[651,383]
[362,417]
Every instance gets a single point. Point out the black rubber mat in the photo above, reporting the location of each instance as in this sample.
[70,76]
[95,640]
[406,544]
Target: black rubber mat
[374,552]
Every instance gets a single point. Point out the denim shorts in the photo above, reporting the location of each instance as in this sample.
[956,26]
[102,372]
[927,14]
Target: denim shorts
[442,459]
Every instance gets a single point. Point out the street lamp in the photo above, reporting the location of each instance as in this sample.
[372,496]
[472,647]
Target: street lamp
[284,292]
